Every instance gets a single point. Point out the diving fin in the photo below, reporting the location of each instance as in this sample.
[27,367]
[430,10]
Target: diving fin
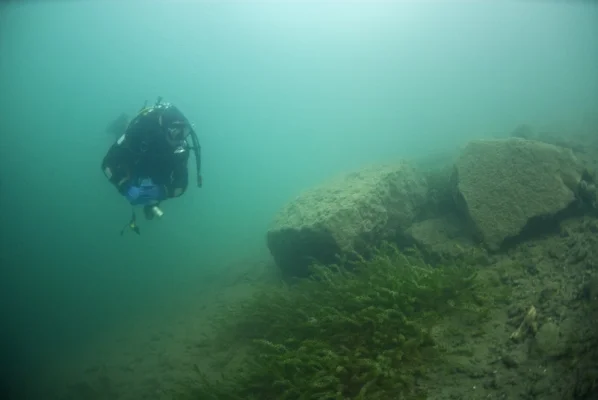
[132,225]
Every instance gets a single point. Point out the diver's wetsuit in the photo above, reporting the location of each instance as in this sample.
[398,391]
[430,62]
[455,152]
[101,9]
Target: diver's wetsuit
[143,152]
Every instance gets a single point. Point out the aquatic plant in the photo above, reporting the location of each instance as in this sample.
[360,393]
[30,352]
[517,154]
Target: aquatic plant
[358,330]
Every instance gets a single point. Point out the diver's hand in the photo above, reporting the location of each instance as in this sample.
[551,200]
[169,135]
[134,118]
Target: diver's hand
[146,193]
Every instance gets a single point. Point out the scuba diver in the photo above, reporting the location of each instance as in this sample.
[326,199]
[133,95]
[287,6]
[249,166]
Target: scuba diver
[148,163]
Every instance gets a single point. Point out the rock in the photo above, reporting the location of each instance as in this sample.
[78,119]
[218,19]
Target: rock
[549,341]
[441,238]
[542,387]
[524,131]
[440,199]
[502,184]
[588,193]
[510,361]
[346,214]
[590,289]
[548,293]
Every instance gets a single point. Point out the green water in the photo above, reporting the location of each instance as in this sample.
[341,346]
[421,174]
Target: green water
[282,96]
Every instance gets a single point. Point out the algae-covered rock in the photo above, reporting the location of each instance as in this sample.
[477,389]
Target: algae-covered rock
[344,215]
[524,131]
[503,184]
[442,238]
[549,340]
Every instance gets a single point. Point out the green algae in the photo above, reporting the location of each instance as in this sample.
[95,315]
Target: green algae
[355,330]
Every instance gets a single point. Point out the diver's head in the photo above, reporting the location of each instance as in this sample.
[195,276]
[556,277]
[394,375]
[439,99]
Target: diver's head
[176,126]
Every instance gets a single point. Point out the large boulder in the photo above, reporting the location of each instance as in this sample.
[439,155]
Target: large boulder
[503,184]
[345,216]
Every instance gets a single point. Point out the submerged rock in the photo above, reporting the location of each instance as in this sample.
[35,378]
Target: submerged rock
[503,184]
[441,238]
[524,131]
[549,340]
[346,215]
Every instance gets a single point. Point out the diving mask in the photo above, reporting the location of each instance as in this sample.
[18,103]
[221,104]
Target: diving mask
[177,133]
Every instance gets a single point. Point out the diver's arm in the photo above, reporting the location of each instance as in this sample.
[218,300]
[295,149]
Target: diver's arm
[116,168]
[180,178]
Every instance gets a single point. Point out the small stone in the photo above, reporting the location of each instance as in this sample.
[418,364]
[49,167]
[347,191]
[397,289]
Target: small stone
[514,311]
[509,361]
[531,269]
[541,387]
[492,383]
[548,293]
[553,253]
[590,289]
[548,340]
[580,255]
[590,265]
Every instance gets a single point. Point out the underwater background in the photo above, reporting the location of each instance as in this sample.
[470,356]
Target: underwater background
[283,95]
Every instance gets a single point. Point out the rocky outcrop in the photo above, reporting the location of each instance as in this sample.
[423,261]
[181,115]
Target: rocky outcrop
[346,215]
[503,184]
[443,239]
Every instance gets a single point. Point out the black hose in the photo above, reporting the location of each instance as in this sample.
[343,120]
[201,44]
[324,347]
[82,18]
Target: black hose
[197,151]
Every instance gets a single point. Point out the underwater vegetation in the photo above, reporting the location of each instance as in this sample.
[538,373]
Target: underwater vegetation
[355,330]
